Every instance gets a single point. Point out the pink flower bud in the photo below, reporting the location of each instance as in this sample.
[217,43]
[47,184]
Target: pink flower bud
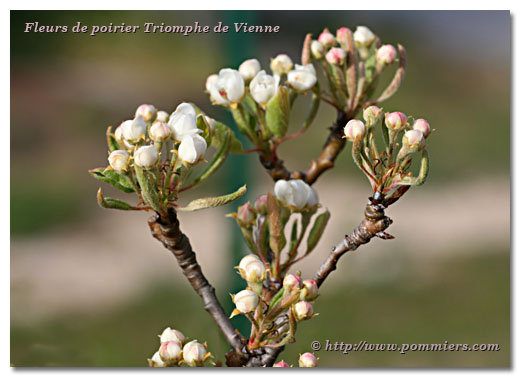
[307,360]
[261,204]
[147,112]
[395,121]
[386,54]
[317,50]
[327,39]
[170,352]
[423,126]
[246,301]
[354,129]
[281,364]
[372,114]
[336,56]
[246,214]
[194,353]
[172,335]
[341,35]
[413,140]
[159,131]
[309,290]
[291,282]
[303,310]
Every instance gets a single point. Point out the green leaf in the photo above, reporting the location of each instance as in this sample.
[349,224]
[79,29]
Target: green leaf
[112,203]
[203,125]
[278,111]
[218,201]
[220,135]
[423,172]
[148,190]
[317,230]
[117,180]
[246,123]
[370,66]
[113,145]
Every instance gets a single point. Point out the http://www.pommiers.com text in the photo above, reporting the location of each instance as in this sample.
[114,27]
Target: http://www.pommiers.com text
[403,348]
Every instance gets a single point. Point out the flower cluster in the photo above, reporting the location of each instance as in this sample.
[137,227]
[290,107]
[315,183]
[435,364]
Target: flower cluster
[274,312]
[306,360]
[388,170]
[153,154]
[175,351]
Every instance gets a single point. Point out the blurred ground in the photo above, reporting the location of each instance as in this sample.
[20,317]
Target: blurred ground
[90,287]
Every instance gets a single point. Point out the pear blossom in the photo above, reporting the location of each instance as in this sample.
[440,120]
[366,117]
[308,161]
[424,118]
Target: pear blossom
[172,335]
[254,271]
[363,36]
[413,140]
[372,114]
[281,364]
[317,49]
[292,282]
[194,353]
[386,54]
[281,64]
[147,112]
[263,87]
[309,290]
[295,193]
[212,79]
[341,35]
[118,160]
[229,88]
[336,56]
[303,77]
[307,360]
[261,204]
[395,121]
[192,148]
[249,69]
[354,129]
[303,310]
[159,131]
[423,126]
[183,122]
[134,130]
[326,38]
[156,361]
[162,116]
[146,156]
[170,352]
[247,259]
[246,301]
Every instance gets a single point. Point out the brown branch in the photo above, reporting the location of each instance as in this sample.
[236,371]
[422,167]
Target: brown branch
[168,232]
[373,225]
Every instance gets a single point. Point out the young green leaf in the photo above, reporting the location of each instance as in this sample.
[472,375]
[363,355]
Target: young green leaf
[317,230]
[105,202]
[117,180]
[218,201]
[278,112]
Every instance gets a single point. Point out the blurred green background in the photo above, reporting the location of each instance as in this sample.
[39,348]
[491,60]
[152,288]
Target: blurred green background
[91,287]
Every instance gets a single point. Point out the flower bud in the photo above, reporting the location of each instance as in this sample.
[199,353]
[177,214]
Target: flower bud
[326,38]
[292,282]
[194,353]
[245,260]
[172,335]
[281,64]
[341,36]
[395,121]
[281,364]
[303,77]
[354,129]
[413,140]
[246,214]
[192,148]
[229,88]
[185,108]
[372,114]
[170,352]
[386,54]
[212,79]
[182,125]
[156,361]
[118,160]
[159,131]
[303,310]
[249,68]
[307,360]
[264,87]
[261,204]
[255,272]
[423,126]
[309,290]
[212,123]
[134,130]
[363,36]
[317,50]
[295,193]
[146,156]
[336,56]
[163,116]
[246,301]
[118,133]
[147,112]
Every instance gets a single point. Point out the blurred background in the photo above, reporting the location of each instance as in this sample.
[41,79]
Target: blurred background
[91,287]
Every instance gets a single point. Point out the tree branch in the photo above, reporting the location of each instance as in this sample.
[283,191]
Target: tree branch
[168,232]
[373,225]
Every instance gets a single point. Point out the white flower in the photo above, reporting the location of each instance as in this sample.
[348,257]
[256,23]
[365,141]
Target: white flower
[194,353]
[210,81]
[172,335]
[249,68]
[303,77]
[245,261]
[295,193]
[146,156]
[118,160]
[159,131]
[303,310]
[354,129]
[246,301]
[156,361]
[363,36]
[281,64]
[307,360]
[396,121]
[413,140]
[192,148]
[147,112]
[229,88]
[263,87]
[317,50]
[185,108]
[183,123]
[254,272]
[133,130]
[118,133]
[309,291]
[170,352]
[211,122]
[163,116]
[292,282]
[423,126]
